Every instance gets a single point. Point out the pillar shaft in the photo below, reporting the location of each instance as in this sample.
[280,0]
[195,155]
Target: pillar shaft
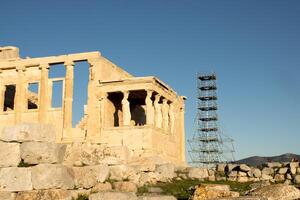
[171,118]
[68,98]
[158,114]
[20,96]
[149,109]
[2,97]
[165,115]
[44,94]
[126,109]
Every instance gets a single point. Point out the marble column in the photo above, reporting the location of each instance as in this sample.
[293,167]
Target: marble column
[126,109]
[68,98]
[172,118]
[20,96]
[43,102]
[158,114]
[149,108]
[2,96]
[165,114]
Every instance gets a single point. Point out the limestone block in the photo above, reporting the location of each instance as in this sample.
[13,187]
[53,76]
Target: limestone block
[15,179]
[230,167]
[42,152]
[293,170]
[8,195]
[125,186]
[242,179]
[121,172]
[233,174]
[254,172]
[221,167]
[274,164]
[198,173]
[166,172]
[212,191]
[122,153]
[212,178]
[283,170]
[47,176]
[28,132]
[265,177]
[45,195]
[9,154]
[84,154]
[113,195]
[267,171]
[148,178]
[156,197]
[279,177]
[287,182]
[144,165]
[297,179]
[244,168]
[240,173]
[278,192]
[102,187]
[289,176]
[294,164]
[88,176]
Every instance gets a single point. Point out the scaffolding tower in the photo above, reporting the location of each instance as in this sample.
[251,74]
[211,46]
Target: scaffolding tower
[208,145]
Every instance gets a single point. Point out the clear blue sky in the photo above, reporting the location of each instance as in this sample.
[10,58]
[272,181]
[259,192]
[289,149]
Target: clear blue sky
[253,46]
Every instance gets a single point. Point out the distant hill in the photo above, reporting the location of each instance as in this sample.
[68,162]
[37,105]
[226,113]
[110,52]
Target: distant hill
[258,161]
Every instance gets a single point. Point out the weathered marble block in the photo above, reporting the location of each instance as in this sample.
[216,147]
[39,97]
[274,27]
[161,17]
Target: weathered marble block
[9,154]
[89,176]
[15,179]
[47,176]
[42,152]
[28,132]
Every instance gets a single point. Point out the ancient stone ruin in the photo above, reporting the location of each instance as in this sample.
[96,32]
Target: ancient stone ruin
[142,113]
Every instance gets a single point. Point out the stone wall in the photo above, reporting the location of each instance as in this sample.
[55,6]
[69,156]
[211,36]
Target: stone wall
[33,166]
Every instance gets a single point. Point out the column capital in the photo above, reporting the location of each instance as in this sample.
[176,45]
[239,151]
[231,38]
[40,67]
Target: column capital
[126,94]
[44,66]
[157,97]
[21,68]
[69,63]
[165,100]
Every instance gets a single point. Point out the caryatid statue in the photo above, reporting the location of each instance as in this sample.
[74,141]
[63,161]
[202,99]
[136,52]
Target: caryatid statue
[158,114]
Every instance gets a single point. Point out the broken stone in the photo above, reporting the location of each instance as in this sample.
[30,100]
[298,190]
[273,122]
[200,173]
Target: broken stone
[121,172]
[88,176]
[278,192]
[198,173]
[166,172]
[213,191]
[274,164]
[267,171]
[244,168]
